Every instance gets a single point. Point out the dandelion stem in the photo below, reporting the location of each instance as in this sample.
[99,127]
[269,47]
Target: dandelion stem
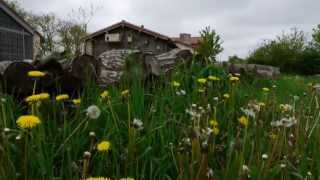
[70,136]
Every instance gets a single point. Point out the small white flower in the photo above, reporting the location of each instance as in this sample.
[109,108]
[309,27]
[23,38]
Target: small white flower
[309,173]
[210,172]
[183,92]
[245,168]
[249,112]
[282,165]
[3,100]
[137,123]
[216,98]
[93,112]
[92,134]
[6,130]
[264,156]
[87,154]
[18,137]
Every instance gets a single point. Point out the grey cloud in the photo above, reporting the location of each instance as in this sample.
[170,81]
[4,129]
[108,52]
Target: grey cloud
[242,24]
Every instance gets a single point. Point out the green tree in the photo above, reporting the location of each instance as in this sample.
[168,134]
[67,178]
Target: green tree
[210,45]
[283,52]
[315,43]
[71,37]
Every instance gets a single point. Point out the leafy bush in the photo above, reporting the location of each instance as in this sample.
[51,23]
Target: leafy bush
[283,52]
[210,45]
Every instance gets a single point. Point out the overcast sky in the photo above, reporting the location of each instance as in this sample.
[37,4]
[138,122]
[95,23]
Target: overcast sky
[242,24]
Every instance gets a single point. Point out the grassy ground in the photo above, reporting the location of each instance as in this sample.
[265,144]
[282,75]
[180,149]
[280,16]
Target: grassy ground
[216,130]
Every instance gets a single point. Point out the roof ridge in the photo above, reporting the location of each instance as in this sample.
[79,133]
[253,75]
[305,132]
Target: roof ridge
[128,24]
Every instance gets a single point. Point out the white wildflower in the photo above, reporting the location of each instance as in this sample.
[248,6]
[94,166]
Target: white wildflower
[137,123]
[216,98]
[18,137]
[6,130]
[3,100]
[245,168]
[92,134]
[264,156]
[249,112]
[285,122]
[309,173]
[93,112]
[282,165]
[87,154]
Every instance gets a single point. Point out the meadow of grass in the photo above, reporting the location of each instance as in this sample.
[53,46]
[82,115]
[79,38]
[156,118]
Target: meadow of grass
[199,123]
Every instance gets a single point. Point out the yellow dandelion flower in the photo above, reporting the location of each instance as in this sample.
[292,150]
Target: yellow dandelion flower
[213,78]
[36,74]
[215,130]
[175,84]
[62,97]
[202,80]
[76,102]
[37,97]
[226,96]
[104,146]
[125,93]
[265,89]
[214,123]
[33,98]
[244,121]
[98,178]
[28,121]
[127,178]
[105,95]
[234,79]
[44,96]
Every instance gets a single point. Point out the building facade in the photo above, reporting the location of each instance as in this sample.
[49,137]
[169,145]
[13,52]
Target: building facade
[18,40]
[124,35]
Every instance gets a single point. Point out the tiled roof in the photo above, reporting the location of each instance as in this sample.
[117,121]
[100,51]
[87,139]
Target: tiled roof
[191,41]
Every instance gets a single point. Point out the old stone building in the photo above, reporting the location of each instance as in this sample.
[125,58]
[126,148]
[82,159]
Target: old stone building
[18,40]
[124,35]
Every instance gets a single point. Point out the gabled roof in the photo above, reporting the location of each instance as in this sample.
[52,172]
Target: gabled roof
[17,18]
[191,42]
[131,26]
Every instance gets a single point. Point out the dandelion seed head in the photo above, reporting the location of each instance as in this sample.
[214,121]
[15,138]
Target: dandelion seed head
[93,112]
[264,156]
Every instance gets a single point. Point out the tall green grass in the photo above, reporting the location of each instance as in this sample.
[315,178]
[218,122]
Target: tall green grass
[172,144]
